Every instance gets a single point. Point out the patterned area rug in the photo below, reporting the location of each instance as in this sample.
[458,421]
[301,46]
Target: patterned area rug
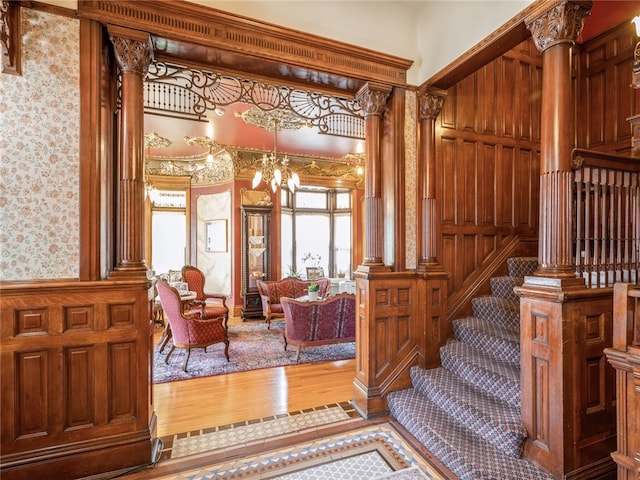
[251,347]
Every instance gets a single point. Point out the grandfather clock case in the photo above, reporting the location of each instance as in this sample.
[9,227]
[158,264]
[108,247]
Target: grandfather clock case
[256,257]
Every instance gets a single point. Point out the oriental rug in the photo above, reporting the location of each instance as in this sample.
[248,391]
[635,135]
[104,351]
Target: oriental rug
[251,346]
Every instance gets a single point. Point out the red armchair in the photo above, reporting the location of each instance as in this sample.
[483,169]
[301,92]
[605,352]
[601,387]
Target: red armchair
[189,330]
[214,304]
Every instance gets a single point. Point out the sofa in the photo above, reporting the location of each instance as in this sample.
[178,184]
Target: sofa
[306,323]
[271,291]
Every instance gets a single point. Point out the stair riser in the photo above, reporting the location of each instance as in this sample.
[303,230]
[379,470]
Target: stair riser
[495,385]
[502,287]
[522,266]
[497,313]
[467,458]
[506,434]
[498,348]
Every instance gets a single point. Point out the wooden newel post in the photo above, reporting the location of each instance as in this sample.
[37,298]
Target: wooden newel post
[134,53]
[567,398]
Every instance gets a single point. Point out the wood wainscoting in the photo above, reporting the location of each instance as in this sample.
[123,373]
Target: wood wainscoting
[624,356]
[75,365]
[400,322]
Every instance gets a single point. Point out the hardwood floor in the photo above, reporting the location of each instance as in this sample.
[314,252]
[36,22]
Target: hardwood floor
[189,405]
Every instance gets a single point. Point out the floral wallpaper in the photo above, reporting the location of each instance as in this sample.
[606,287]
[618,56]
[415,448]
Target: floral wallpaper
[411,174]
[39,153]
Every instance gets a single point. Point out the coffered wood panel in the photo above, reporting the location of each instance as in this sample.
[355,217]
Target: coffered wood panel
[605,97]
[391,325]
[488,161]
[79,356]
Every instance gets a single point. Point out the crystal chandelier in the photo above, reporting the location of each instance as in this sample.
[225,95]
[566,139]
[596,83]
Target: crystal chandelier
[272,169]
[276,171]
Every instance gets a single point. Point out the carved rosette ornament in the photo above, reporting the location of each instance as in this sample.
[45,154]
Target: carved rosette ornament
[133,55]
[431,105]
[560,24]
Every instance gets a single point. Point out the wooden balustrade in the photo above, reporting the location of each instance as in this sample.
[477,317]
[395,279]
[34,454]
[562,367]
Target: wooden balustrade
[606,209]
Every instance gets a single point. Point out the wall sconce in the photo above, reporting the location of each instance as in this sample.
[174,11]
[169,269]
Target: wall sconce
[635,74]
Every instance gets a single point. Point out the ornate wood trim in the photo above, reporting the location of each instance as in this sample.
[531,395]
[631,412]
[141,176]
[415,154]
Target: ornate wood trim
[561,23]
[186,21]
[10,37]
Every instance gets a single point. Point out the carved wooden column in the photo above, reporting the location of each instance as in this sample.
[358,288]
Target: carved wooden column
[431,102]
[373,99]
[134,53]
[554,33]
[436,329]
[567,396]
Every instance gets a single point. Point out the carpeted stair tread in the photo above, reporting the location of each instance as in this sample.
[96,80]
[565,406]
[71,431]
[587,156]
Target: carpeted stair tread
[495,340]
[498,378]
[502,287]
[522,266]
[495,421]
[501,311]
[467,455]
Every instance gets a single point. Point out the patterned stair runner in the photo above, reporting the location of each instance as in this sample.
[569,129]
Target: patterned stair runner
[467,412]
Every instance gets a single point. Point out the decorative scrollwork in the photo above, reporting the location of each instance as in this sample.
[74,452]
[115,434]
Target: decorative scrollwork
[561,23]
[189,92]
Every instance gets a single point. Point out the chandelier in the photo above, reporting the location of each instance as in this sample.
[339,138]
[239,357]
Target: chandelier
[272,169]
[206,142]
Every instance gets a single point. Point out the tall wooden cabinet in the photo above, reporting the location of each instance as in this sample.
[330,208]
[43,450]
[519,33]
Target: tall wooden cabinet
[256,256]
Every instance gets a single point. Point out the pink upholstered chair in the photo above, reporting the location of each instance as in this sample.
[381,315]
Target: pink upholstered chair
[189,330]
[214,304]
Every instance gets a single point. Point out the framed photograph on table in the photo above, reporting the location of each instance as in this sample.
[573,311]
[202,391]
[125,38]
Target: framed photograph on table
[216,235]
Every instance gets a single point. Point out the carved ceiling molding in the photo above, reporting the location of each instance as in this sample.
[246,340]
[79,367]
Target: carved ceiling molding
[191,93]
[211,28]
[10,37]
[232,163]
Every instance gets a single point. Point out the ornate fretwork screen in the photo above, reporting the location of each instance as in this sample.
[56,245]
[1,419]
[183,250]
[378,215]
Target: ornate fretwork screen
[190,93]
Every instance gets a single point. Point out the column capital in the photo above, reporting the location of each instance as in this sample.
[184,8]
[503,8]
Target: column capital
[373,98]
[133,49]
[431,102]
[560,23]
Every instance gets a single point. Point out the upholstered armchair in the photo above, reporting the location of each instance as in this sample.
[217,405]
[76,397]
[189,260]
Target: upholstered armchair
[213,305]
[189,330]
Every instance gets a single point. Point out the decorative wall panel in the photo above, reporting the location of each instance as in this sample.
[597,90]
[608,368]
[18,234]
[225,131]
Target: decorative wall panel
[39,190]
[605,96]
[487,162]
[217,266]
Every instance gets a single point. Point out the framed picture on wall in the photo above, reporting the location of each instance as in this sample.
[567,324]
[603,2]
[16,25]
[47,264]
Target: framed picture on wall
[216,235]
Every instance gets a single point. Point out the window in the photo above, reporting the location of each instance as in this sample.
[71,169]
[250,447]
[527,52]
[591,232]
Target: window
[316,231]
